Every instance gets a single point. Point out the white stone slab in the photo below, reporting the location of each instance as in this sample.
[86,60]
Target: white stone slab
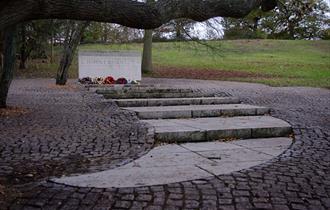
[264,143]
[209,146]
[116,64]
[270,146]
[229,167]
[169,155]
[136,177]
[235,155]
[175,163]
[274,151]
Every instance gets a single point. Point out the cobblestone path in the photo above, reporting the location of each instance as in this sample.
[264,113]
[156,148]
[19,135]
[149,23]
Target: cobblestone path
[70,130]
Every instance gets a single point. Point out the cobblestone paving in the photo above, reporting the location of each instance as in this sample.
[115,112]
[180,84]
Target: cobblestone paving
[298,179]
[65,130]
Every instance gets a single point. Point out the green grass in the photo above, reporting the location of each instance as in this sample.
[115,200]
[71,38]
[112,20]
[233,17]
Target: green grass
[277,62]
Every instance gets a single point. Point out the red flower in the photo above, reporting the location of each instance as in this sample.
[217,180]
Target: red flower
[109,80]
[121,81]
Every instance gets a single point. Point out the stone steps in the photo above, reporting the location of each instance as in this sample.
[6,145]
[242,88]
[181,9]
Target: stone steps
[209,129]
[207,119]
[141,90]
[150,93]
[143,102]
[181,115]
[197,111]
[137,95]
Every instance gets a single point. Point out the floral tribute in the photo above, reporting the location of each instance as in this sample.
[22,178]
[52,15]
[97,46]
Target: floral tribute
[122,81]
[98,80]
[109,80]
[86,80]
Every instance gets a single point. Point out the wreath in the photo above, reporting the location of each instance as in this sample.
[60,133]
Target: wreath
[121,81]
[86,80]
[109,80]
[98,80]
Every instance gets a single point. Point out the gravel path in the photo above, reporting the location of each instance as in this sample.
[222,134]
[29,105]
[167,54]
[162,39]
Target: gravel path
[60,123]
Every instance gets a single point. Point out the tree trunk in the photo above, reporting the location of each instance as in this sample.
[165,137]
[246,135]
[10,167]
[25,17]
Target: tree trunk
[291,30]
[1,50]
[9,61]
[147,52]
[178,30]
[23,49]
[105,27]
[52,44]
[70,45]
[255,24]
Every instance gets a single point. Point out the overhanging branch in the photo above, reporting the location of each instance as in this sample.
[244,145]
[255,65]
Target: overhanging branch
[130,13]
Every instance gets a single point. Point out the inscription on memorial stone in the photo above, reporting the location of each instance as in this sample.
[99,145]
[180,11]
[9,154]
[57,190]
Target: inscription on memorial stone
[115,63]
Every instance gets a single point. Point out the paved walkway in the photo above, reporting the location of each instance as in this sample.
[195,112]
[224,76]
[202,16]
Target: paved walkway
[58,132]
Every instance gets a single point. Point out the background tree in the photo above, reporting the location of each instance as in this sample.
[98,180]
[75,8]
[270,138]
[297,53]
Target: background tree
[180,28]
[244,28]
[93,33]
[8,66]
[24,52]
[35,37]
[1,49]
[175,30]
[212,29]
[146,65]
[297,19]
[147,52]
[106,33]
[74,32]
[293,19]
[325,34]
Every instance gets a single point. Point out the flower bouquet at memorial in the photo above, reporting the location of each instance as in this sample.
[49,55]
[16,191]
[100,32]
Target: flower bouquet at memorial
[109,80]
[134,82]
[121,81]
[98,80]
[86,80]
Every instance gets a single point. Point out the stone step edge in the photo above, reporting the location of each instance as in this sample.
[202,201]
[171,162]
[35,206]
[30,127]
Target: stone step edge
[132,95]
[186,114]
[194,130]
[141,102]
[222,135]
[122,91]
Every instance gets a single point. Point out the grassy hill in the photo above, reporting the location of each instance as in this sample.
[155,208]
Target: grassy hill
[273,62]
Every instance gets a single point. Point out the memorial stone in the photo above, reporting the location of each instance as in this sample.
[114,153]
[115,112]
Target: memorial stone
[118,64]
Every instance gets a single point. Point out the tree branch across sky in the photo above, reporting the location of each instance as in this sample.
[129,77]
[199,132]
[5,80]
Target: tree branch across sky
[130,13]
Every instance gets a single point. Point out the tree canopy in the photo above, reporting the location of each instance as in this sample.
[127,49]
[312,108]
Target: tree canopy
[130,13]
[293,19]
